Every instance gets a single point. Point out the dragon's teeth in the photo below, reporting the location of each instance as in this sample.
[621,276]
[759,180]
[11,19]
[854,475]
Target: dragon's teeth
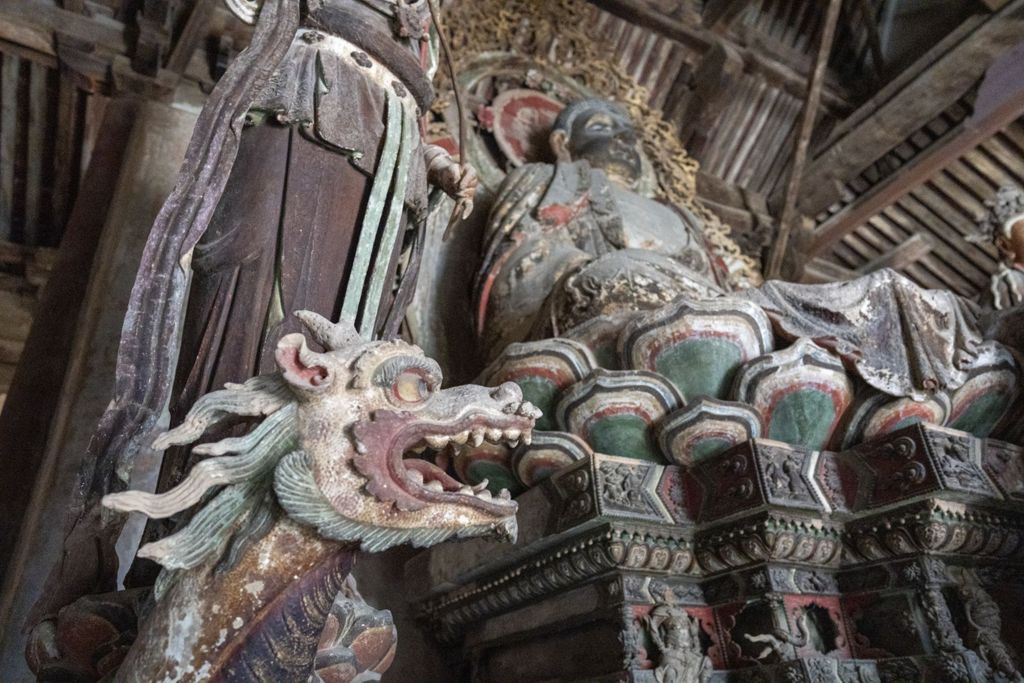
[485,495]
[494,435]
[514,443]
[415,476]
[504,494]
[481,486]
[477,438]
[527,438]
[437,442]
[460,438]
[434,486]
[512,435]
[468,490]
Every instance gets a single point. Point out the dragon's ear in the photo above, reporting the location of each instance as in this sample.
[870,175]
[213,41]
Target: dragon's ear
[302,368]
[331,336]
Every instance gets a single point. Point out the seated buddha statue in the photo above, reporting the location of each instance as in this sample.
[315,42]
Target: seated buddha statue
[572,240]
[577,239]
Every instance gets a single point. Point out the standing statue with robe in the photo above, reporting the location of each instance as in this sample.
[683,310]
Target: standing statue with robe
[305,181]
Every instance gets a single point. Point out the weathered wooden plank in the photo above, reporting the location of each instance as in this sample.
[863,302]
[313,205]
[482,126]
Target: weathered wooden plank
[788,216]
[819,270]
[36,129]
[950,227]
[1000,101]
[921,272]
[22,52]
[9,73]
[712,82]
[887,122]
[941,261]
[700,40]
[65,159]
[188,40]
[901,256]
[718,14]
[33,25]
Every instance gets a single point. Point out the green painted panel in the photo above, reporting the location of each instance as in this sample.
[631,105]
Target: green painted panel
[802,418]
[707,448]
[701,367]
[981,417]
[541,393]
[498,477]
[625,435]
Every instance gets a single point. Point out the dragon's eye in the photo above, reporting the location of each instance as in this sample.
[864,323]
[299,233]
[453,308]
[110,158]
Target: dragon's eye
[410,387]
[408,379]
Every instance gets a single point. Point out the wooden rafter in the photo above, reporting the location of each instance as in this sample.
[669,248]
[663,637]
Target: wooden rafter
[909,251]
[920,94]
[35,25]
[808,114]
[874,42]
[193,32]
[785,76]
[999,102]
[718,14]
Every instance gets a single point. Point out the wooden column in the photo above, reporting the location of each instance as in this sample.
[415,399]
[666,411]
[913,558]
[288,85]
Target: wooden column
[65,379]
[788,217]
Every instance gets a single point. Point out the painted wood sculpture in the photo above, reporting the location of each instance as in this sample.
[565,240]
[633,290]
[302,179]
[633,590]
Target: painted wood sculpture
[563,255]
[304,180]
[876,545]
[327,470]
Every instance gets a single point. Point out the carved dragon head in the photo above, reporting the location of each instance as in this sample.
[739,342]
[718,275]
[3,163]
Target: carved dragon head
[338,442]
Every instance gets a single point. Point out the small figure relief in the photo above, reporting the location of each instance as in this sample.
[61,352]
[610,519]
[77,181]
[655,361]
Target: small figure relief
[985,624]
[1003,226]
[783,476]
[677,637]
[780,642]
[622,485]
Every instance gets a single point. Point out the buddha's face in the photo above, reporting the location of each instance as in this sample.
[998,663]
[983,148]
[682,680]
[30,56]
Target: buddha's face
[607,139]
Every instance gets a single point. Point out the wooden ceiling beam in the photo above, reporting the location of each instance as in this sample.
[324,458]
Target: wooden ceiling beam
[1000,101]
[194,31]
[782,75]
[922,93]
[819,271]
[808,114]
[910,251]
[35,25]
[718,14]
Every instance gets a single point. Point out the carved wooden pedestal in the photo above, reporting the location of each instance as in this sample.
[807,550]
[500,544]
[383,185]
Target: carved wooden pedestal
[892,561]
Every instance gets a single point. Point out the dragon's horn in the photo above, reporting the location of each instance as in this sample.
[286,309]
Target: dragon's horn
[331,336]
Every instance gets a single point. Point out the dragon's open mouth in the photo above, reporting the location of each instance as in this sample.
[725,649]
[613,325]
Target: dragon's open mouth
[428,482]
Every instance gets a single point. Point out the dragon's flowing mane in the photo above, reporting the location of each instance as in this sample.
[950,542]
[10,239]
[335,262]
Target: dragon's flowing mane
[243,477]
[241,466]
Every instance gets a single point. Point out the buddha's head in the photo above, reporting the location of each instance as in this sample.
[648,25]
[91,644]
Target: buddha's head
[603,134]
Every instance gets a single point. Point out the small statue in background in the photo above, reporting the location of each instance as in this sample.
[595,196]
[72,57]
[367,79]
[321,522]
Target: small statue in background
[677,637]
[1003,225]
